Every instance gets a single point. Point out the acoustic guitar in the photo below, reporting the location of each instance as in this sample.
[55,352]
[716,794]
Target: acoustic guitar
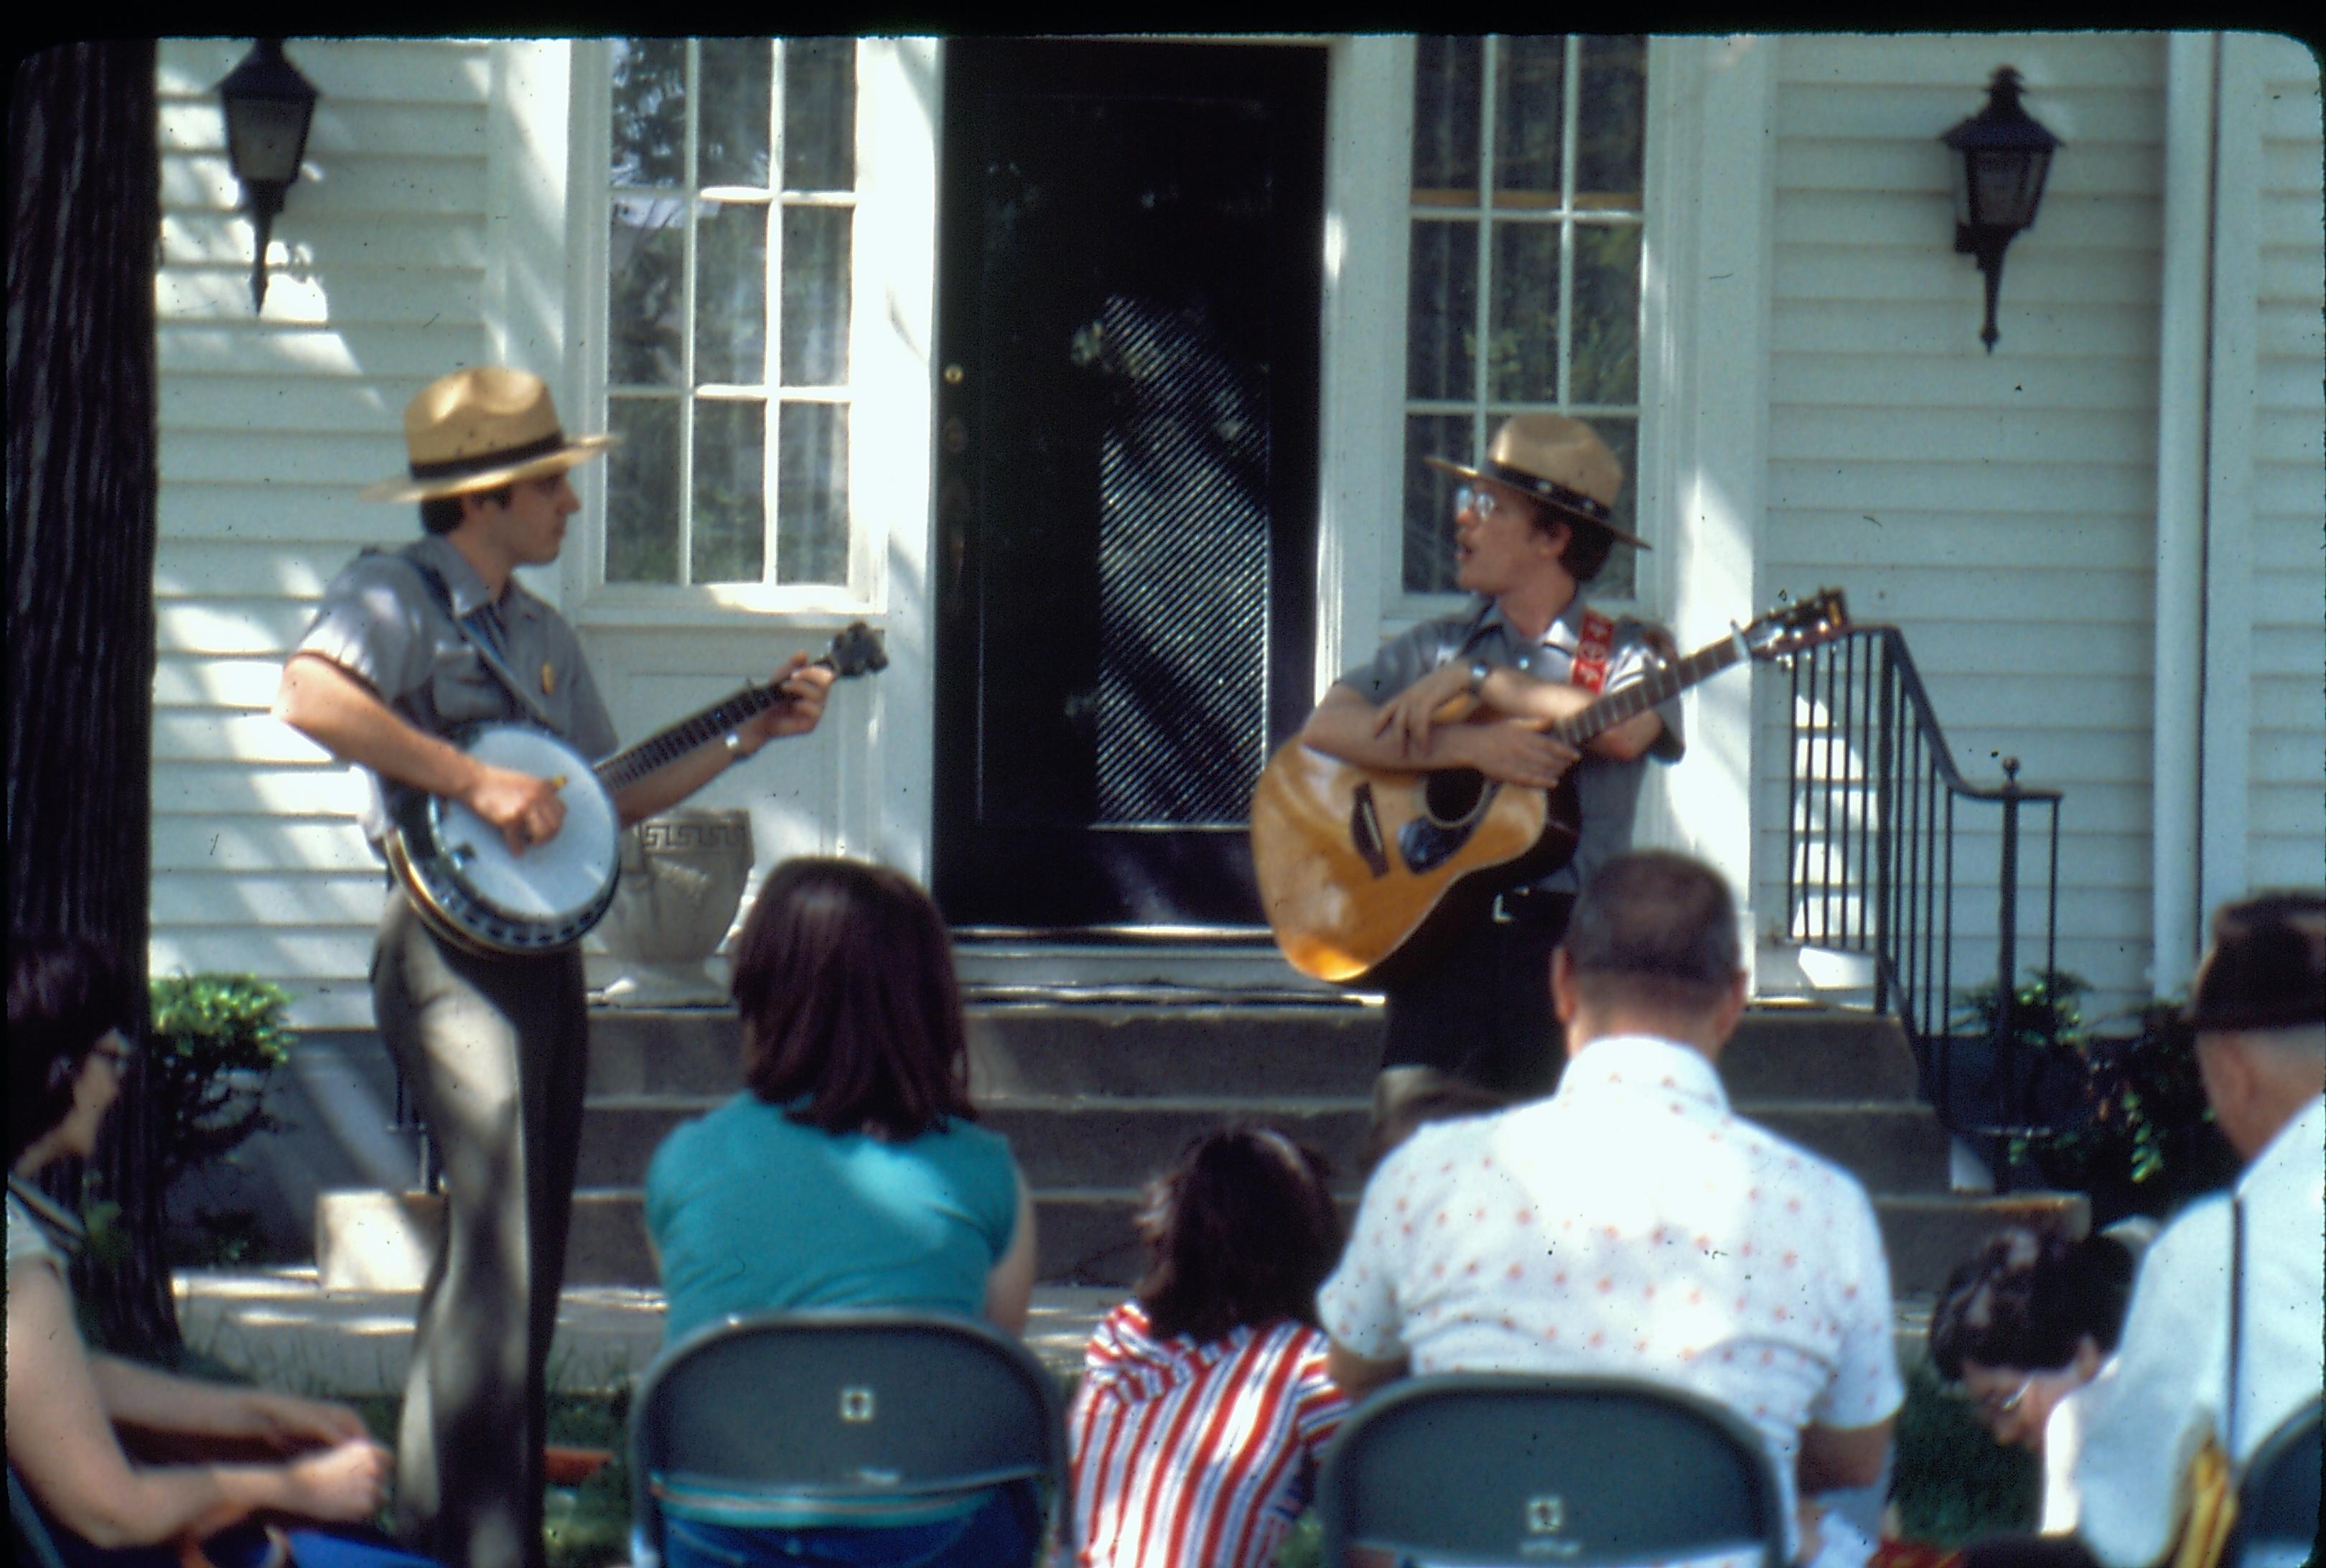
[1361,870]
[467,887]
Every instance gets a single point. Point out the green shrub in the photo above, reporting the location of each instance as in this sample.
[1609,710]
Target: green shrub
[2141,1139]
[216,1040]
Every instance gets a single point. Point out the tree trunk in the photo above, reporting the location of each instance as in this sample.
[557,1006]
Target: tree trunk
[85,201]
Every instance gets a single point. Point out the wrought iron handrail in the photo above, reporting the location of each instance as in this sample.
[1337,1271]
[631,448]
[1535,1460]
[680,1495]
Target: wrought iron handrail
[1870,855]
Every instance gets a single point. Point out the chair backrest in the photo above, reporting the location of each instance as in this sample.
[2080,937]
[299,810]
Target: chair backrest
[1511,1467]
[28,1531]
[2278,1499]
[865,1408]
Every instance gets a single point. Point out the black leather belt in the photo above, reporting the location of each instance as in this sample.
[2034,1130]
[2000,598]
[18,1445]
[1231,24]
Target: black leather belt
[1534,907]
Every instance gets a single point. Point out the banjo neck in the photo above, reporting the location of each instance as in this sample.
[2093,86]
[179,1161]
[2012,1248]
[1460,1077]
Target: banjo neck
[857,650]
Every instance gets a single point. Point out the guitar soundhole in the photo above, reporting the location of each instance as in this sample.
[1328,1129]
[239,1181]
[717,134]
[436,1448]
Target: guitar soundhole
[1453,794]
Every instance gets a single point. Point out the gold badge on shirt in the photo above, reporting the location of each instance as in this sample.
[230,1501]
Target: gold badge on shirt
[548,679]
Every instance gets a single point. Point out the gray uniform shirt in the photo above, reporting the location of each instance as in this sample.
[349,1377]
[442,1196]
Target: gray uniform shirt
[380,621]
[1607,792]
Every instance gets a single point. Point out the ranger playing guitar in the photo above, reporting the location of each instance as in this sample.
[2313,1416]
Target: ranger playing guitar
[1532,524]
[408,650]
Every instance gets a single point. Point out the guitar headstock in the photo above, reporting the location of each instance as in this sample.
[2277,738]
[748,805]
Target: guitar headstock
[1790,628]
[857,650]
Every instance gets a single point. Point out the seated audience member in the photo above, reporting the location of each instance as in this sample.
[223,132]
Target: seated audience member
[71,1033]
[1204,1399]
[2021,1324]
[1416,1097]
[2258,1008]
[1632,1224]
[849,1172]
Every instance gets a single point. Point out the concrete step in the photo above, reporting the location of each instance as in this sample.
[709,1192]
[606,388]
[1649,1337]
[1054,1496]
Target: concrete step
[1780,1052]
[1081,1139]
[371,1241]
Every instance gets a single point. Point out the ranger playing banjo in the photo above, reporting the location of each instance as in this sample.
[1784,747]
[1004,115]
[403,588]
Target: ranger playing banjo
[410,650]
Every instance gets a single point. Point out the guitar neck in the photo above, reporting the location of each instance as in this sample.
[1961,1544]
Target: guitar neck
[1661,683]
[665,746]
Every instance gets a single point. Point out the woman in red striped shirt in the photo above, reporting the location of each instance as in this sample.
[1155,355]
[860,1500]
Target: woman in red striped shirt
[1204,1400]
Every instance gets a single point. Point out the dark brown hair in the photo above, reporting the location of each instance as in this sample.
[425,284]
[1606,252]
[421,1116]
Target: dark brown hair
[1654,929]
[1242,1230]
[1441,1098]
[64,994]
[844,978]
[2027,1297]
[1588,545]
[442,514]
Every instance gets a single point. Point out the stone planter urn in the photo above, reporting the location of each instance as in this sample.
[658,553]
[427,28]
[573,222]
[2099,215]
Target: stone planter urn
[683,878]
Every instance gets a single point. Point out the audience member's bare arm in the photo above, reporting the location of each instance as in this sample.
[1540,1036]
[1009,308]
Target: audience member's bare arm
[1358,1375]
[1346,726]
[1009,1286]
[1836,1458]
[148,1400]
[339,713]
[62,1441]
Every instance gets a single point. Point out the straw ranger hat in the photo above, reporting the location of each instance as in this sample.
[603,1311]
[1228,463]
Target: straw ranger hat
[1559,462]
[481,428]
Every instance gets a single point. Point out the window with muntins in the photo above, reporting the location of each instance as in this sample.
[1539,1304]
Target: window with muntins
[1523,273]
[732,186]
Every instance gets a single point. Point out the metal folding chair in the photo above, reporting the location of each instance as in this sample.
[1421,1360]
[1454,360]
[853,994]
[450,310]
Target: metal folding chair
[1492,1468]
[839,1409]
[2277,1522]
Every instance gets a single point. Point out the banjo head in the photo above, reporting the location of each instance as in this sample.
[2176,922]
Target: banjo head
[551,886]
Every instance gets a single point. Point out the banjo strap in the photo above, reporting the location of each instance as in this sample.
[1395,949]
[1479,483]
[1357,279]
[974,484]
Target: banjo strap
[486,651]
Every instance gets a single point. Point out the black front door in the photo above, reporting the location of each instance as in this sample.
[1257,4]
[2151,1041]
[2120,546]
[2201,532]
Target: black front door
[1133,242]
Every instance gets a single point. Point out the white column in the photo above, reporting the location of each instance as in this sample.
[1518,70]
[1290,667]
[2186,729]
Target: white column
[2225,744]
[2182,385]
[1704,423]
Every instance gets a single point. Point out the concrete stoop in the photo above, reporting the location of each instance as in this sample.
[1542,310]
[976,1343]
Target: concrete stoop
[1097,1098]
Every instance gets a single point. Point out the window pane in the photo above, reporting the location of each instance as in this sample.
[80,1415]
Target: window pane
[812,493]
[645,264]
[816,294]
[642,490]
[1527,123]
[1606,348]
[1441,311]
[738,78]
[731,487]
[819,114]
[1428,551]
[1611,128]
[1619,577]
[1445,77]
[730,293]
[1523,351]
[649,110]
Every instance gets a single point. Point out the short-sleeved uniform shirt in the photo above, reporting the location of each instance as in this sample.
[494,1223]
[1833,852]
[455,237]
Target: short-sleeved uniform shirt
[1607,791]
[381,622]
[1633,1225]
[752,1211]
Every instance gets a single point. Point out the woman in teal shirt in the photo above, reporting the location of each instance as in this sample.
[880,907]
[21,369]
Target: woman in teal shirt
[849,1172]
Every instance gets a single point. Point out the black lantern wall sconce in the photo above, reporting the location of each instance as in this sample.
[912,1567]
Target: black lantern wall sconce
[2004,156]
[268,108]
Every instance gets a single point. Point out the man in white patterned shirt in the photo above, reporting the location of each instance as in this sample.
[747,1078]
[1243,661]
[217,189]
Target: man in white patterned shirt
[1632,1224]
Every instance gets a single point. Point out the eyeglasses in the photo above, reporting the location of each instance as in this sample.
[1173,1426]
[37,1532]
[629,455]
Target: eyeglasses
[1994,1407]
[1476,499]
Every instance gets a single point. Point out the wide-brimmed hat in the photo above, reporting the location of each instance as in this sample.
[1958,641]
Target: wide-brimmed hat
[479,429]
[2268,968]
[1558,461]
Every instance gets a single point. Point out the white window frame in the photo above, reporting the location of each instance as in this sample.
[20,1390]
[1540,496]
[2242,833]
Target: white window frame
[888,393]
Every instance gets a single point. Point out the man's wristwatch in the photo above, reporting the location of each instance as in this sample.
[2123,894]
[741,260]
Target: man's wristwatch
[1479,670]
[735,753]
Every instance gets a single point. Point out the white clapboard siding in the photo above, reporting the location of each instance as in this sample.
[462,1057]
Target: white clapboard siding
[269,426]
[2286,809]
[1998,509]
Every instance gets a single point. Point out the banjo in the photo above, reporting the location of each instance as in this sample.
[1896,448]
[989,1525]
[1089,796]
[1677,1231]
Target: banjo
[474,894]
